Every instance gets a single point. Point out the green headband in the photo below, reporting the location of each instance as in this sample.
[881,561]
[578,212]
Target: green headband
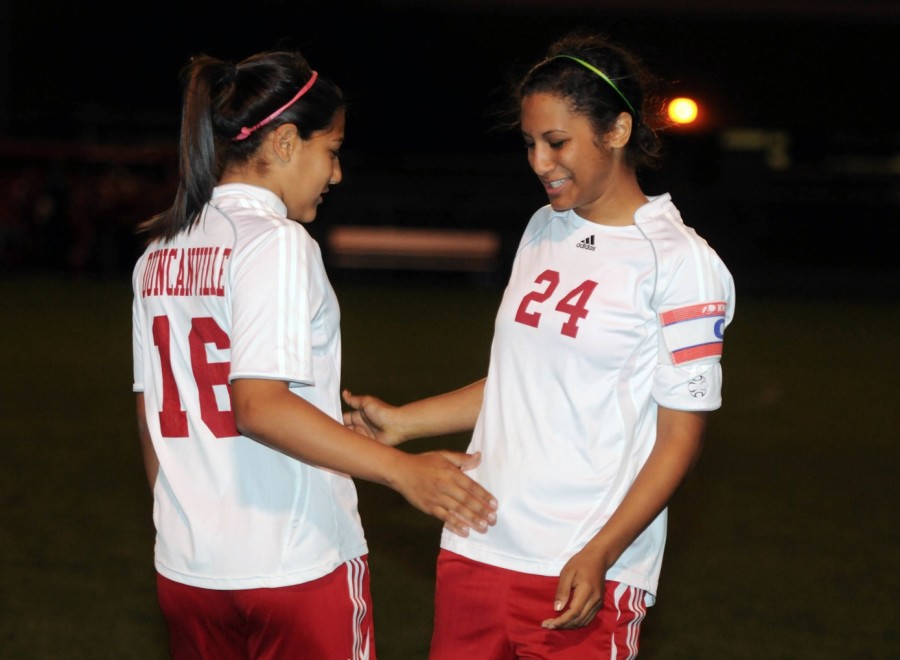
[605,77]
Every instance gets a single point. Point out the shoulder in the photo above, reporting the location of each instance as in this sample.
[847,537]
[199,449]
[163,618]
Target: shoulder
[240,204]
[542,217]
[539,220]
[688,268]
[273,239]
[138,269]
[257,216]
[661,223]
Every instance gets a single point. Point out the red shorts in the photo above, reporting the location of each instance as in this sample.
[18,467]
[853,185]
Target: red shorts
[327,618]
[482,612]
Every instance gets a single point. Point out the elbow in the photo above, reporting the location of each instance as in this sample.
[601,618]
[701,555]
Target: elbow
[693,444]
[247,419]
[248,408]
[263,409]
[243,426]
[698,449]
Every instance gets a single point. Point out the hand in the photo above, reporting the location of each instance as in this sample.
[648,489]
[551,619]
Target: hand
[371,417]
[434,483]
[581,585]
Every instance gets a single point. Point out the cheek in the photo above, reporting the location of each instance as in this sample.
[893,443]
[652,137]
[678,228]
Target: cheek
[591,167]
[305,186]
[316,176]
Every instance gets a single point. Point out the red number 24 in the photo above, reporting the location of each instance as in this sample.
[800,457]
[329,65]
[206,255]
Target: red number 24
[573,303]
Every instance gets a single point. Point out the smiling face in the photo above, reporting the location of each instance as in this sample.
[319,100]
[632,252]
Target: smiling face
[576,168]
[314,167]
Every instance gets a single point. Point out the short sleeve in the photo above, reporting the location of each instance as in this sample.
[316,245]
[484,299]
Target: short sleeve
[137,347]
[695,306]
[271,309]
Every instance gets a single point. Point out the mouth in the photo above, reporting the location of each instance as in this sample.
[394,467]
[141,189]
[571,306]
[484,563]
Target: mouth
[553,186]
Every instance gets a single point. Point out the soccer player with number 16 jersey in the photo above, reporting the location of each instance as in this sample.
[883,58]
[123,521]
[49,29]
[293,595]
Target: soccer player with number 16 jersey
[260,552]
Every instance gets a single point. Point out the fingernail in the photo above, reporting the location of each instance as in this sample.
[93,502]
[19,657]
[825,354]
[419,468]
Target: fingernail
[557,605]
[492,517]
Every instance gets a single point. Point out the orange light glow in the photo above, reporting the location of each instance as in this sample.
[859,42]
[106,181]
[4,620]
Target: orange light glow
[683,110]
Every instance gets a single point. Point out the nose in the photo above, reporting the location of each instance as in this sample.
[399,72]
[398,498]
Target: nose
[539,159]
[336,174]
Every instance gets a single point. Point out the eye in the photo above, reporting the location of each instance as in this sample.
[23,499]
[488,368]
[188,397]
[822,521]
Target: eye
[557,145]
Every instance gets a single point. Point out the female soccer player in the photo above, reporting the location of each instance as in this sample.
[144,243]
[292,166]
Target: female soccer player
[604,363]
[237,356]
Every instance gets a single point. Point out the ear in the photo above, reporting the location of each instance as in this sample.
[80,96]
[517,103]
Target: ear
[620,133]
[285,142]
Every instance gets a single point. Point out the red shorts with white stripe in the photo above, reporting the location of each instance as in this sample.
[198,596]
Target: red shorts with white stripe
[327,618]
[483,612]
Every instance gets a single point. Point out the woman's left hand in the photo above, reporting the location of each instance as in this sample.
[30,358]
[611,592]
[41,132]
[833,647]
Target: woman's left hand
[579,594]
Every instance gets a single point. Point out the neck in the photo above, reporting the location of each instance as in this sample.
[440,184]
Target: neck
[618,205]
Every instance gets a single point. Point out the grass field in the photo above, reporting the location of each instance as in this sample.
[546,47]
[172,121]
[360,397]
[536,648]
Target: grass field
[783,545]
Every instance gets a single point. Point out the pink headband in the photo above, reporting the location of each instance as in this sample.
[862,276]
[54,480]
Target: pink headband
[245,132]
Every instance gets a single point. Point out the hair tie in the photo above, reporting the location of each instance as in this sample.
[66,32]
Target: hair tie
[591,67]
[246,132]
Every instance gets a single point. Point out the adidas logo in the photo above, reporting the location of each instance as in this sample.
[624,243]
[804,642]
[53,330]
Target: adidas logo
[587,243]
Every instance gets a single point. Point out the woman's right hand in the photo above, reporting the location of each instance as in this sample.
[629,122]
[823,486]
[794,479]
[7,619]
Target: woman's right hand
[434,483]
[373,418]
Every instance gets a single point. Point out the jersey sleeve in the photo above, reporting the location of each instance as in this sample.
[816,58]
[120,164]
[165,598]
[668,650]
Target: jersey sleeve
[271,307]
[695,303]
[137,347]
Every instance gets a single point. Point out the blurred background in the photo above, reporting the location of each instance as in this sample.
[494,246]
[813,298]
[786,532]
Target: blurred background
[790,170]
[785,541]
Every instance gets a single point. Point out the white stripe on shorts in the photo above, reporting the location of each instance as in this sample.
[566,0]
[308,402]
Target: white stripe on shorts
[635,605]
[356,570]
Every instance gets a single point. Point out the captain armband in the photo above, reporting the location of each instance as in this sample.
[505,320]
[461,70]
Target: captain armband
[694,333]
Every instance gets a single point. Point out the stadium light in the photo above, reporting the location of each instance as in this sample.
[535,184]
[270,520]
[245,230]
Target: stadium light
[682,110]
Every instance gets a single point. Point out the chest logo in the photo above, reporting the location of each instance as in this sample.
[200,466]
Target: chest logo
[587,243]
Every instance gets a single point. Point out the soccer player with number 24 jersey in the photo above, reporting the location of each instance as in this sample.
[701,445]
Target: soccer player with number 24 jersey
[604,363]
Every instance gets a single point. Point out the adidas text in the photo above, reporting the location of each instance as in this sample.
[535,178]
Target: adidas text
[587,244]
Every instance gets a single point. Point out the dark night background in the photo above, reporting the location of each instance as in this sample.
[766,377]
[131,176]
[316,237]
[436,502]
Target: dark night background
[798,141]
[429,68]
[784,538]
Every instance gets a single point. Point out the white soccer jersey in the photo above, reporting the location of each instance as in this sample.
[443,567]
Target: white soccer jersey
[598,326]
[243,294]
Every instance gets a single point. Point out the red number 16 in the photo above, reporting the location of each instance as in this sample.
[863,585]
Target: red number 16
[172,419]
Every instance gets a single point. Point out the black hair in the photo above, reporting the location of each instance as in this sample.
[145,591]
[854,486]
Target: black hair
[220,98]
[590,95]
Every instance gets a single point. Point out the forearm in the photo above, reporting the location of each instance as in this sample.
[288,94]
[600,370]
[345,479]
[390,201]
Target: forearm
[434,482]
[677,448]
[452,412]
[270,414]
[151,461]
